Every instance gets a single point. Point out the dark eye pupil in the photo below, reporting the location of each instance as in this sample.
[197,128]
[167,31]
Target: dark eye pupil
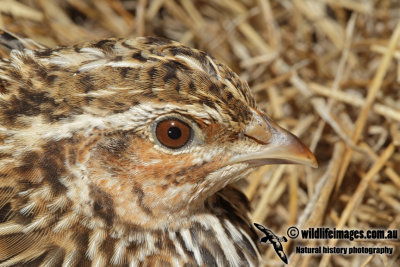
[174,133]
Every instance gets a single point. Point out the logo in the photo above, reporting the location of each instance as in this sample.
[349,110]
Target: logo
[271,238]
[330,234]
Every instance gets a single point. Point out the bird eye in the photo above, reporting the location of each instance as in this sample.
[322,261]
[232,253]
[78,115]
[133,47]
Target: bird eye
[173,133]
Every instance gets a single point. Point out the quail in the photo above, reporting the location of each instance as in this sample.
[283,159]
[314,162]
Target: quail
[123,152]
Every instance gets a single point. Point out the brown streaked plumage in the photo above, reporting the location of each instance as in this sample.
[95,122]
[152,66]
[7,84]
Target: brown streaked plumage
[120,152]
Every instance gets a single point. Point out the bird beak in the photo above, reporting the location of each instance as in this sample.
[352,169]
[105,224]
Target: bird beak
[277,145]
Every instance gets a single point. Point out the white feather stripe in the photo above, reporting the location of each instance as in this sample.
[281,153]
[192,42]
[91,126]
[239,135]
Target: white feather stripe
[16,57]
[119,256]
[59,203]
[8,228]
[95,240]
[177,245]
[72,257]
[133,262]
[214,66]
[99,93]
[5,77]
[91,53]
[66,222]
[236,235]
[93,65]
[26,255]
[99,261]
[194,63]
[52,258]
[38,223]
[225,243]
[67,60]
[28,208]
[120,64]
[245,235]
[43,193]
[127,120]
[187,238]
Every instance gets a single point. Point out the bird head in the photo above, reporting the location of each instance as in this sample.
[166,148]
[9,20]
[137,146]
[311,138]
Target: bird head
[135,131]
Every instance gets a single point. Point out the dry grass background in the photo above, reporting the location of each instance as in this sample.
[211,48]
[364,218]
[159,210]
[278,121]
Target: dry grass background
[328,70]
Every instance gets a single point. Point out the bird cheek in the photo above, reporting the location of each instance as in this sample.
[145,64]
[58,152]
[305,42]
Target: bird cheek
[141,178]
